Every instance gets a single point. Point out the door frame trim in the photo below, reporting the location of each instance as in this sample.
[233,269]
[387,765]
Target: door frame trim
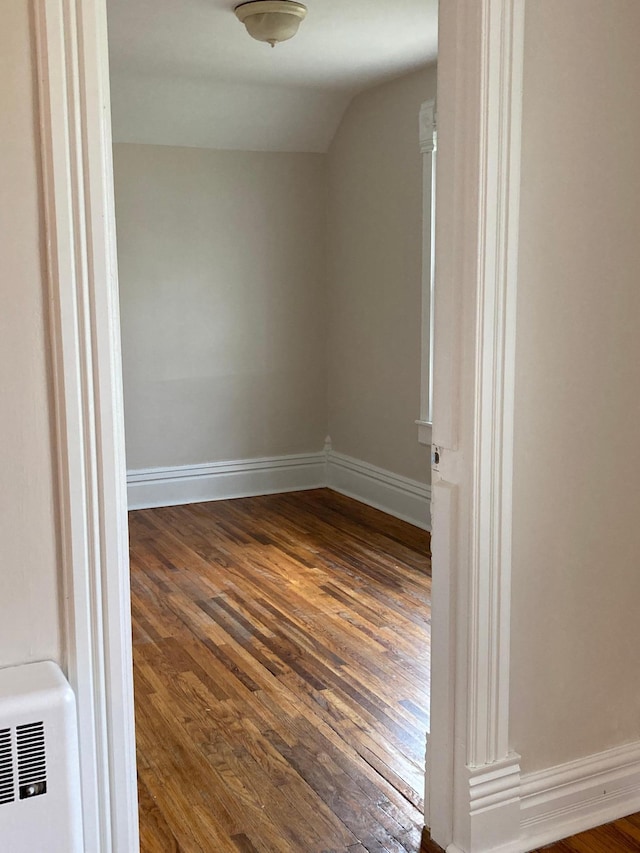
[81,273]
[473,777]
[480,66]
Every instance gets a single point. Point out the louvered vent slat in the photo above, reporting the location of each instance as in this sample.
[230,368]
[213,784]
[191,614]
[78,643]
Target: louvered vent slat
[32,767]
[7,781]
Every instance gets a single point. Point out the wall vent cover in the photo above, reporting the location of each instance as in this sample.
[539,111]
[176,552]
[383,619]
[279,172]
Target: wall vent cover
[40,794]
[32,766]
[7,780]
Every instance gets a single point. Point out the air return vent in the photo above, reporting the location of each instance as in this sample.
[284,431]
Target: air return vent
[39,766]
[7,779]
[32,765]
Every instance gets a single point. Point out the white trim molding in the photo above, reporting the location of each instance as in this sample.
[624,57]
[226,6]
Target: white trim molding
[428,138]
[424,432]
[479,121]
[153,487]
[574,797]
[75,139]
[398,496]
[494,803]
[492,462]
[570,798]
[427,127]
[401,497]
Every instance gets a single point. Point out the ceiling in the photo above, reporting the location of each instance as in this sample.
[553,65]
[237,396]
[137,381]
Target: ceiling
[185,72]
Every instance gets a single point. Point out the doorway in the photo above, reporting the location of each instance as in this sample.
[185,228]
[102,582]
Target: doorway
[255,287]
[81,267]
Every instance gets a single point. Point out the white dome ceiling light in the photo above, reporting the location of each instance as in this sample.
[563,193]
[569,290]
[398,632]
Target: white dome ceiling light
[271,21]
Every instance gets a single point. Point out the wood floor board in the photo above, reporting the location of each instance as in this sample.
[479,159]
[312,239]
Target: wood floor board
[156,836]
[281,651]
[204,790]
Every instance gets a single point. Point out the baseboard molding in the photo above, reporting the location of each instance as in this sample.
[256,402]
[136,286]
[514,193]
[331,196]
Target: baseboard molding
[574,797]
[399,496]
[570,798]
[154,487]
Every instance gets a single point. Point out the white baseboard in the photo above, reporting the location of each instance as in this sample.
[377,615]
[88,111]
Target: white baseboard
[398,496]
[568,799]
[154,487]
[574,797]
[401,497]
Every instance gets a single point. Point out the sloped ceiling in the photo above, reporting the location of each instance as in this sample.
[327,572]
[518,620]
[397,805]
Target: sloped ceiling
[185,72]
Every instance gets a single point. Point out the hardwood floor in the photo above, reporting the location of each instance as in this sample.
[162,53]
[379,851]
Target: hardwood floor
[281,650]
[623,836]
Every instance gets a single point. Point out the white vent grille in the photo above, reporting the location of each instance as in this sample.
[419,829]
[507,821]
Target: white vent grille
[7,781]
[32,766]
[40,797]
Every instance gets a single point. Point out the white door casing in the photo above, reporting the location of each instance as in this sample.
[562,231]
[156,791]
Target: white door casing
[474,780]
[73,82]
[478,185]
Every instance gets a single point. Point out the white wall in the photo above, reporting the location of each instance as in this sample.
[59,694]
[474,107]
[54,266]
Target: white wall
[375,275]
[576,545]
[222,275]
[246,275]
[29,619]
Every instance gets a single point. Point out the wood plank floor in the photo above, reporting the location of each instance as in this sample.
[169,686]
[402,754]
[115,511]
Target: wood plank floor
[281,650]
[623,836]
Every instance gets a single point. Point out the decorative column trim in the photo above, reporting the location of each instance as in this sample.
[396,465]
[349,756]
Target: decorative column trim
[428,138]
[71,48]
[494,805]
[480,79]
[493,771]
[491,520]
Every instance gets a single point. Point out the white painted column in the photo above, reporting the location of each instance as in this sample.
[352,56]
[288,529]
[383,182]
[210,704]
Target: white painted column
[479,104]
[79,225]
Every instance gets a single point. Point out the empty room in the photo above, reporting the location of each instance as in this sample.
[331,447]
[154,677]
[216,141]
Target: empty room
[278,646]
[273,213]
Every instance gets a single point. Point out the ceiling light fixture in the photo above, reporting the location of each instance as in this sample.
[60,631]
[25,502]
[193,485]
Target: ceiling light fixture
[272,21]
